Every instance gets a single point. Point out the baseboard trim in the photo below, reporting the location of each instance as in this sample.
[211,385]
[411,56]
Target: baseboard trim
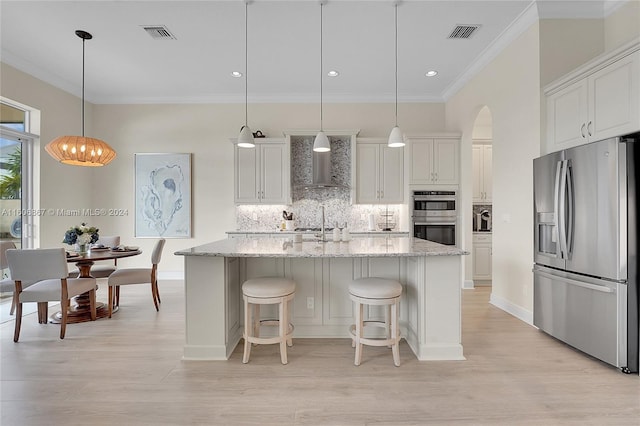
[468,285]
[511,308]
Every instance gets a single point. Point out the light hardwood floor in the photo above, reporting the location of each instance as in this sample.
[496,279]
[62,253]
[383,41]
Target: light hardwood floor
[127,371]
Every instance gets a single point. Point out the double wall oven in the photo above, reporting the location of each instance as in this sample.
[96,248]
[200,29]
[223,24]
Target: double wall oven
[434,216]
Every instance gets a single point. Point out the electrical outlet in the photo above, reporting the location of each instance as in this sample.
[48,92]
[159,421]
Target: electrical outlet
[255,216]
[310,303]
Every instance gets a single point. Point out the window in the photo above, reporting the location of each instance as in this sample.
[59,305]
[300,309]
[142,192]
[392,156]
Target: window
[16,175]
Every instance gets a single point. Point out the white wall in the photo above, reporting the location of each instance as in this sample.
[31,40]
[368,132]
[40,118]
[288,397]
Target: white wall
[622,26]
[203,130]
[512,94]
[565,44]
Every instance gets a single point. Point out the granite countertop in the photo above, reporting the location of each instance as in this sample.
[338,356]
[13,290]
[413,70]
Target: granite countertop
[375,246]
[327,231]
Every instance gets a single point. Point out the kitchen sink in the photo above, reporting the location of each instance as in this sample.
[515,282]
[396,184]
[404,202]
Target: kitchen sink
[313,229]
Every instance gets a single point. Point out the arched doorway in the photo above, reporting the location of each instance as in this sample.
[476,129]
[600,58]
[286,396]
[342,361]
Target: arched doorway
[482,184]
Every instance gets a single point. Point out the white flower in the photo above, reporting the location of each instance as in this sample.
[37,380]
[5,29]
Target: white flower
[84,239]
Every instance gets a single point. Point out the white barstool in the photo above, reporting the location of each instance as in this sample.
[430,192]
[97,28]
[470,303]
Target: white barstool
[267,291]
[376,291]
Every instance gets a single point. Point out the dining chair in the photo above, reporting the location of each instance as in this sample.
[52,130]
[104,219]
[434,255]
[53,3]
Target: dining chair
[6,284]
[129,276]
[103,269]
[40,276]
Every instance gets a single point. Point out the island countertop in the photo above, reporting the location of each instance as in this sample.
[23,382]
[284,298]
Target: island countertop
[386,246]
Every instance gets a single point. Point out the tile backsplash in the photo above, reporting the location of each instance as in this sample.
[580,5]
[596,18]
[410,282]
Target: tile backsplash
[307,214]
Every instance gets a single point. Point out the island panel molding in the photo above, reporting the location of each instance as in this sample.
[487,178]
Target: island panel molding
[430,273]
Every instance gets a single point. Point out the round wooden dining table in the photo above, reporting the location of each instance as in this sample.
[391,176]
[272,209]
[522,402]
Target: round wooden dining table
[79,310]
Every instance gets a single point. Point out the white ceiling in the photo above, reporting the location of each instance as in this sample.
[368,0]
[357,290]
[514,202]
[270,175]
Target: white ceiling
[125,65]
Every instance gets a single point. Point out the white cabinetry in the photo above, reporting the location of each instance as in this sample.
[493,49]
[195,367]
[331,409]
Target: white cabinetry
[482,254]
[380,173]
[482,173]
[598,101]
[262,173]
[433,161]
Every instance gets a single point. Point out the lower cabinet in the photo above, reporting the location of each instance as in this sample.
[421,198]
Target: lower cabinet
[482,254]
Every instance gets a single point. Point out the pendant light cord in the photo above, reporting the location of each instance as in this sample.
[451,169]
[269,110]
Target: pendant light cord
[395,7]
[246,61]
[321,129]
[83,40]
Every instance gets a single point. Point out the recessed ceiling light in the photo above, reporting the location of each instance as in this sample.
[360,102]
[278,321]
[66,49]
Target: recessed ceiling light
[333,73]
[431,73]
[236,74]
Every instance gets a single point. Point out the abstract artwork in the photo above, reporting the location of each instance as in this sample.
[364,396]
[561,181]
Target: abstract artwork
[163,195]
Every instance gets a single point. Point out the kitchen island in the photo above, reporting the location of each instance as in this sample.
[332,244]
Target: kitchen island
[430,308]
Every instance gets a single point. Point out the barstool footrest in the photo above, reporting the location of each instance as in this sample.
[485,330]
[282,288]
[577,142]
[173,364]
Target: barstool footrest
[373,341]
[274,339]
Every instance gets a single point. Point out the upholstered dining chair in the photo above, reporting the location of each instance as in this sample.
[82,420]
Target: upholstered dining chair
[129,276]
[45,270]
[102,269]
[7,285]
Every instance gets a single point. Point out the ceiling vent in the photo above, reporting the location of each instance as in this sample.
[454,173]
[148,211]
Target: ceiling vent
[159,32]
[463,31]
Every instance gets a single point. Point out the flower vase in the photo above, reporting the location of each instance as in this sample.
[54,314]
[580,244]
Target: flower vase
[81,249]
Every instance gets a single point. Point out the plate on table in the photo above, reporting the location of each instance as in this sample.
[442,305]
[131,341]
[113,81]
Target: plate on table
[124,249]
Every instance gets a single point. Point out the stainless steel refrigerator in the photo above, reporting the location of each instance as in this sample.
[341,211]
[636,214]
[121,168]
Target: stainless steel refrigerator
[585,237]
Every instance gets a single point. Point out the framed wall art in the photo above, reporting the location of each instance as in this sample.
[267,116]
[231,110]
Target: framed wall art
[162,195]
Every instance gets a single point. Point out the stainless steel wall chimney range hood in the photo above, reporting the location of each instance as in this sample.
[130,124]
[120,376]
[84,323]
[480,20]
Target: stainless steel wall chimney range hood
[321,172]
[318,170]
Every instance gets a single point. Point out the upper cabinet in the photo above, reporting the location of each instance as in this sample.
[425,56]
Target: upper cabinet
[598,101]
[380,173]
[262,173]
[433,161]
[482,173]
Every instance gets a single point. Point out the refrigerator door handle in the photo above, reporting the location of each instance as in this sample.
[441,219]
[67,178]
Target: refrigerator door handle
[570,201]
[556,197]
[562,226]
[595,287]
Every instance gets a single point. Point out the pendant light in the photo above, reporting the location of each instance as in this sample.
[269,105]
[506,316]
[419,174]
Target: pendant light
[321,142]
[80,150]
[246,140]
[396,139]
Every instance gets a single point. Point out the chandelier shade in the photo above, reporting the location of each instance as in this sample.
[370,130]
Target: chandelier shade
[245,139]
[80,151]
[396,139]
[321,142]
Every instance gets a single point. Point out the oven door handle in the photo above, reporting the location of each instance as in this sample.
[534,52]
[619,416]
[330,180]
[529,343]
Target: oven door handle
[434,199]
[433,223]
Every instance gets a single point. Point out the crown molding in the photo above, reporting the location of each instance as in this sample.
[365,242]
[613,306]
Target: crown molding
[305,98]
